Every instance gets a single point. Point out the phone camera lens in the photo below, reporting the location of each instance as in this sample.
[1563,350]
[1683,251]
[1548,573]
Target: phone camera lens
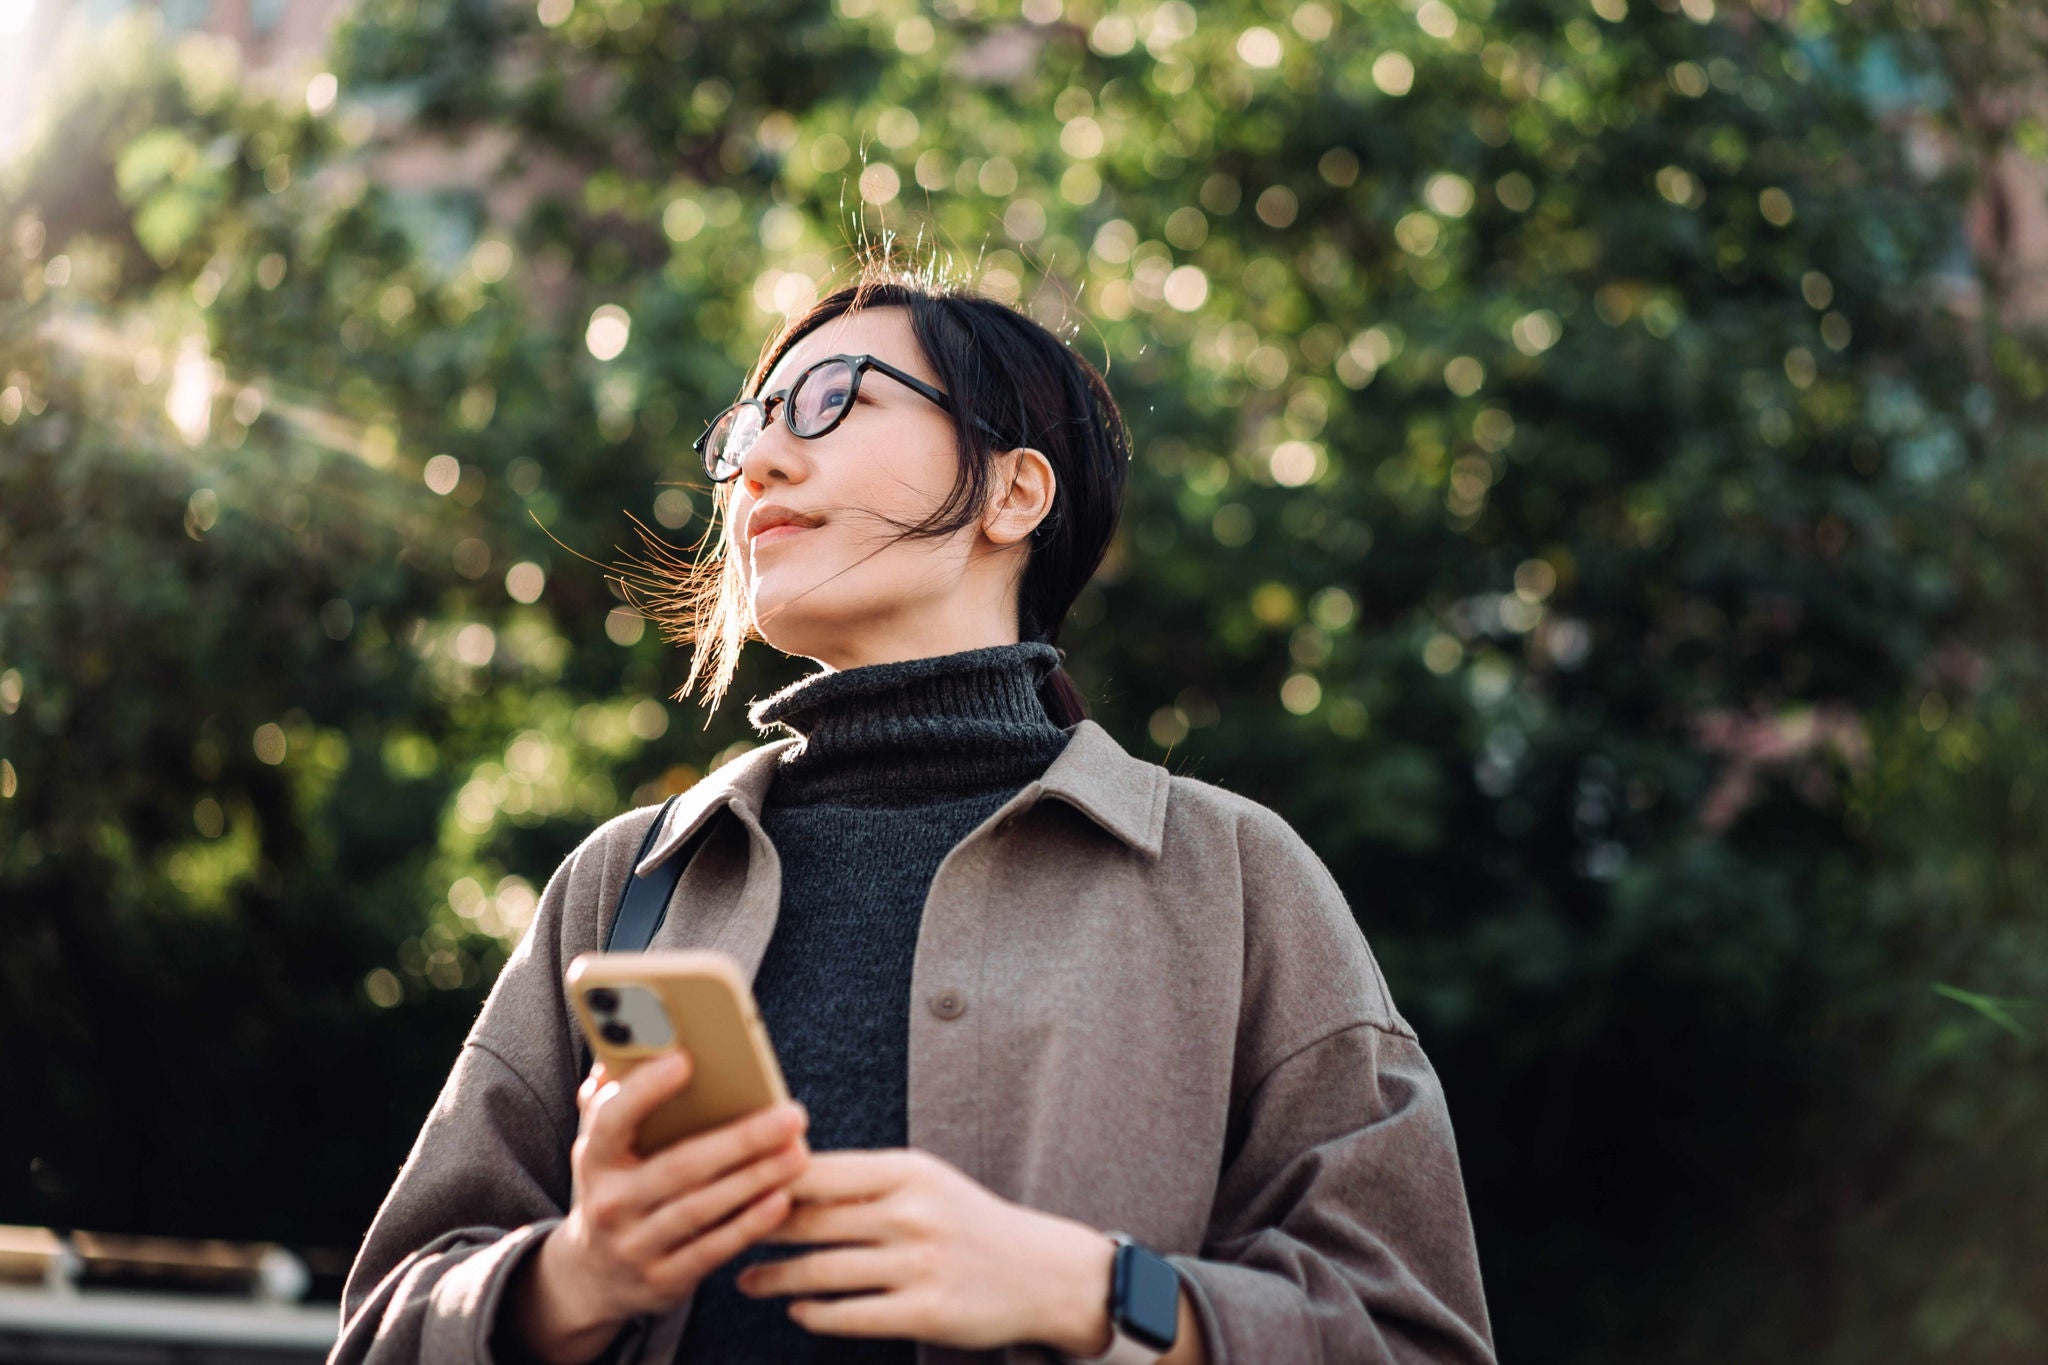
[603,1001]
[616,1033]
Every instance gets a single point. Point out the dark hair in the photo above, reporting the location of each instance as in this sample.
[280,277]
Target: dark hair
[999,367]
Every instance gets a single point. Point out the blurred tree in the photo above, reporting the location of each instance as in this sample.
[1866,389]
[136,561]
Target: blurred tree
[1576,485]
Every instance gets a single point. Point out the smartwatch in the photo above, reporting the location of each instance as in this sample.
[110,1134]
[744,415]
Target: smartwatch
[1144,1306]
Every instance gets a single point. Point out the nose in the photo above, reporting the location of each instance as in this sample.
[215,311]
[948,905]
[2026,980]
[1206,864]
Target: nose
[775,454]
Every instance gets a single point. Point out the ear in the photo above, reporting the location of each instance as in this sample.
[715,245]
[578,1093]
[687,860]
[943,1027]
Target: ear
[1022,495]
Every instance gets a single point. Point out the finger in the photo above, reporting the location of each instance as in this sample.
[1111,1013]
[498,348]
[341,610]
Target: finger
[598,1078]
[863,1220]
[669,1225]
[617,1109]
[836,1270]
[698,1257]
[864,1315]
[696,1161]
[856,1175]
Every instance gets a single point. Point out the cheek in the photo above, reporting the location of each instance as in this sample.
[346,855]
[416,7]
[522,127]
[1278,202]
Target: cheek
[908,482]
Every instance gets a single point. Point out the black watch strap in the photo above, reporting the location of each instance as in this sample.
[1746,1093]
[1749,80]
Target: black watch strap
[1144,1296]
[1144,1306]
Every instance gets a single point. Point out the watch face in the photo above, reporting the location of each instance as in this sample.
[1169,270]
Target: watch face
[1147,1296]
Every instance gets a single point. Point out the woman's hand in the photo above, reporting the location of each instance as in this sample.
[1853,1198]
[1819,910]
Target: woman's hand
[642,1233]
[949,1261]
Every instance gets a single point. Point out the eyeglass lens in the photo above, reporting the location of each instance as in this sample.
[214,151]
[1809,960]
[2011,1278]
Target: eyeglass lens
[817,400]
[733,438]
[822,393]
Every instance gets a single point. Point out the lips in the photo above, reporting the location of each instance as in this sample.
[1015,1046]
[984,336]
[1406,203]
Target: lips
[769,523]
[775,533]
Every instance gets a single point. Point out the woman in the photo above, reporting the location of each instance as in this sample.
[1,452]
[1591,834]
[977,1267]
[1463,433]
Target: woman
[1090,1061]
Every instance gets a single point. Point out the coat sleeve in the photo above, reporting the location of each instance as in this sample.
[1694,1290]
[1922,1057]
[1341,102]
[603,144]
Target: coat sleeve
[1340,1230]
[489,1174]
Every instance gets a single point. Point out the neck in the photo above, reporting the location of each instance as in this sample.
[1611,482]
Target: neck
[875,644]
[975,611]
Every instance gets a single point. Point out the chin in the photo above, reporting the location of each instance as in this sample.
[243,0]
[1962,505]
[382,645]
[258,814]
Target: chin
[796,625]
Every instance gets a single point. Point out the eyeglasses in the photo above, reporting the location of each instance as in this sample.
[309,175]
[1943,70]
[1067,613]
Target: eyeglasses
[814,403]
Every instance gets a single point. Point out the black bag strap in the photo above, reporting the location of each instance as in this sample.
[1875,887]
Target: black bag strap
[643,901]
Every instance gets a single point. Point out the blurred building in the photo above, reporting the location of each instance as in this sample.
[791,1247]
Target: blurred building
[280,41]
[273,35]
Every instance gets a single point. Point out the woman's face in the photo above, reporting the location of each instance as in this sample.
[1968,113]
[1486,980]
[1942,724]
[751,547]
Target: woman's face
[842,586]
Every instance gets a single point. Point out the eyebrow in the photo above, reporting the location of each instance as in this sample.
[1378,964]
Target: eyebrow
[867,392]
[768,388]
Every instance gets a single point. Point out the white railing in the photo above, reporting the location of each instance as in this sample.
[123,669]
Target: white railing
[182,1295]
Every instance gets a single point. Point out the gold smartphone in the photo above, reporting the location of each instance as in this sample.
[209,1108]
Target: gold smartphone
[635,1007]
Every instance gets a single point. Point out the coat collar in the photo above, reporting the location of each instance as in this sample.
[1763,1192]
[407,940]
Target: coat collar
[1124,795]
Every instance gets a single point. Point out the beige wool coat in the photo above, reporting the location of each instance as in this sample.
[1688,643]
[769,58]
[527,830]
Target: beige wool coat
[1138,1000]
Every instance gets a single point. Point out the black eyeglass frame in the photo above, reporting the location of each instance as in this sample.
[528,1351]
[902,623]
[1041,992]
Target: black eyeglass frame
[767,403]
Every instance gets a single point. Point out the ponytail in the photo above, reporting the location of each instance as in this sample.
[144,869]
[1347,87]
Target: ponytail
[1062,700]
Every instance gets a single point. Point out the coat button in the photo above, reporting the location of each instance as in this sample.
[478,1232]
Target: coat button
[948,1005]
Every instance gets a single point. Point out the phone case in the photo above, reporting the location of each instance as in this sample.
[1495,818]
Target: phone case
[696,999]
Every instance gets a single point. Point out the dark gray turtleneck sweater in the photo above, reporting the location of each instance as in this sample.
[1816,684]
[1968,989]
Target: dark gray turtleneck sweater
[898,763]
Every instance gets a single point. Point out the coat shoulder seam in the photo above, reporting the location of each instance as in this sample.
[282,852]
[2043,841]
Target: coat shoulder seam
[1391,1030]
[532,1093]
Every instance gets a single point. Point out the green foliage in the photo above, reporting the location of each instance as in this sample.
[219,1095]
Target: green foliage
[1561,490]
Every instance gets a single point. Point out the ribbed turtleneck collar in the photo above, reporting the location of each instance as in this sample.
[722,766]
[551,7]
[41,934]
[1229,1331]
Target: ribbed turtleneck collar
[914,731]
